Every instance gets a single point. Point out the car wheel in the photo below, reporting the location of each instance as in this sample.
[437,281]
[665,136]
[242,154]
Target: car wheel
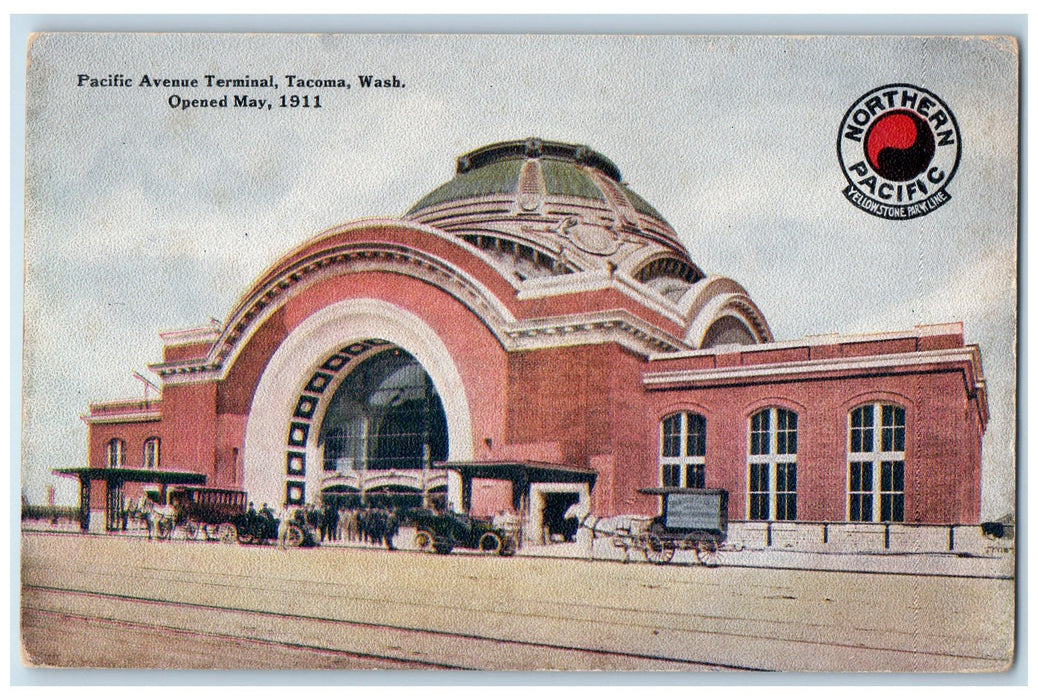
[423,540]
[490,543]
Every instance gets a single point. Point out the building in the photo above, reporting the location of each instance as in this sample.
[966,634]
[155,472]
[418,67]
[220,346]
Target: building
[530,335]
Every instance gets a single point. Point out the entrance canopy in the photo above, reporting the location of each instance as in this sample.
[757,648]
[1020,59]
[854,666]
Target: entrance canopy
[520,473]
[132,475]
[114,478]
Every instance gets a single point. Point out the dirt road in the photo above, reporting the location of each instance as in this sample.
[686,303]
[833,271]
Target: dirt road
[117,602]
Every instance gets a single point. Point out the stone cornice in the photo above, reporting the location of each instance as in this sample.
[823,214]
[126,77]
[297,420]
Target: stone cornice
[190,336]
[616,325]
[691,377]
[137,417]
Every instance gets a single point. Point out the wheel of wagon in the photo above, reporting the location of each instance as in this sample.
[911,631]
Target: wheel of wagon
[244,536]
[508,547]
[227,533]
[423,540]
[294,536]
[191,530]
[164,529]
[707,554]
[490,543]
[656,551]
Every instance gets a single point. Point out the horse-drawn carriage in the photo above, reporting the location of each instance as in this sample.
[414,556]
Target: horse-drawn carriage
[223,514]
[693,520]
[442,532]
[200,511]
[690,519]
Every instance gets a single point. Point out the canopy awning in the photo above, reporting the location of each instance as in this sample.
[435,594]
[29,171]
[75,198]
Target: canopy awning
[526,471]
[132,474]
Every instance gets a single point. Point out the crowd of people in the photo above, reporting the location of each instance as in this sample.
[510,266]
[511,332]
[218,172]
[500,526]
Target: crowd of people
[371,525]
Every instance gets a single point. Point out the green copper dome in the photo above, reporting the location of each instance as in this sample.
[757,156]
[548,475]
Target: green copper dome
[564,170]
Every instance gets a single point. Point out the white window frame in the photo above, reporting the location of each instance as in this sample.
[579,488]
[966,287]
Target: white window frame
[115,453]
[878,458]
[152,456]
[685,463]
[773,461]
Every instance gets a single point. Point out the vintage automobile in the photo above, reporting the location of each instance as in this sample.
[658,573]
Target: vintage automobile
[442,532]
[261,527]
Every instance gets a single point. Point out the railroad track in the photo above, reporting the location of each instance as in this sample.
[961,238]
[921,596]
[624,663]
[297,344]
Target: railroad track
[374,609]
[345,643]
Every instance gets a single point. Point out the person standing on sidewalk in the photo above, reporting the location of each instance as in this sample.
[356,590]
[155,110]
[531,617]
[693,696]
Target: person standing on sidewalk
[284,521]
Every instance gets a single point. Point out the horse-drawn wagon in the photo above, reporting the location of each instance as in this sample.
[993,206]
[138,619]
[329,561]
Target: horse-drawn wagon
[693,520]
[225,515]
[201,511]
[689,519]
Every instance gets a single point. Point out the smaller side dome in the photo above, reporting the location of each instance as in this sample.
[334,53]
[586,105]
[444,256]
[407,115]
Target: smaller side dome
[669,276]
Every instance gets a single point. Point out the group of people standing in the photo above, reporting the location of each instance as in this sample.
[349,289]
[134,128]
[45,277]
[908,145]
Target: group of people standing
[370,525]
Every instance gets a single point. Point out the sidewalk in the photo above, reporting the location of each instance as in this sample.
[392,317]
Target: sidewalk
[999,563]
[995,565]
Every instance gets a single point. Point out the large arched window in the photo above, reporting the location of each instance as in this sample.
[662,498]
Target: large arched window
[151,453]
[683,450]
[772,465]
[115,453]
[385,415]
[876,463]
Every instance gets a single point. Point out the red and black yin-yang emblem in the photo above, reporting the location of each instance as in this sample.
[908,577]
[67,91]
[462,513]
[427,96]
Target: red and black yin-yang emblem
[899,147]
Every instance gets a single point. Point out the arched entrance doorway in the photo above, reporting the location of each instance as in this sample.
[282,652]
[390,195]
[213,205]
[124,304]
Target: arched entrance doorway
[284,455]
[381,432]
[386,415]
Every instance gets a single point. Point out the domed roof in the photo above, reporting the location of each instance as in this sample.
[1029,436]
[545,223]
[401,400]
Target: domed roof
[561,169]
[547,208]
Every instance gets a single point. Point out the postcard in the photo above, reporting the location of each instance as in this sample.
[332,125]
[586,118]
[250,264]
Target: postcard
[520,352]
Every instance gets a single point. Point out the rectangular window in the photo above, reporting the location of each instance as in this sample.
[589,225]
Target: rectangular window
[892,492]
[672,436]
[760,491]
[787,433]
[860,492]
[760,433]
[672,475]
[694,477]
[893,432]
[786,491]
[695,445]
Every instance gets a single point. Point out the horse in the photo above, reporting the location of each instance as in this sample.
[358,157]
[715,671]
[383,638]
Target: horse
[622,529]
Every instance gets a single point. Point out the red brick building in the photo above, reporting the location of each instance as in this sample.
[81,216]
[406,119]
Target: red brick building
[536,324]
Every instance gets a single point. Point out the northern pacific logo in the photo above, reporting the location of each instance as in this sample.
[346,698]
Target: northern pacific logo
[899,148]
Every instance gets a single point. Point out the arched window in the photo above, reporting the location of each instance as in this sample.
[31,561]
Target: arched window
[151,453]
[773,465]
[115,453]
[683,451]
[876,463]
[386,414]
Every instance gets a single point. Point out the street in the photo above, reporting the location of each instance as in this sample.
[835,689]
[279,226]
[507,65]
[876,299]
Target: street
[125,602]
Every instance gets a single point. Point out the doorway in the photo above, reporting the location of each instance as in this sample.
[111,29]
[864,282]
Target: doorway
[555,526]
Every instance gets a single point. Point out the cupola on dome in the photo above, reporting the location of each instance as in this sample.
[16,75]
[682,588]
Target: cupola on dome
[550,208]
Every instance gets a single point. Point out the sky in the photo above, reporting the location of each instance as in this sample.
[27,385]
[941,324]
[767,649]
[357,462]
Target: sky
[142,218]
